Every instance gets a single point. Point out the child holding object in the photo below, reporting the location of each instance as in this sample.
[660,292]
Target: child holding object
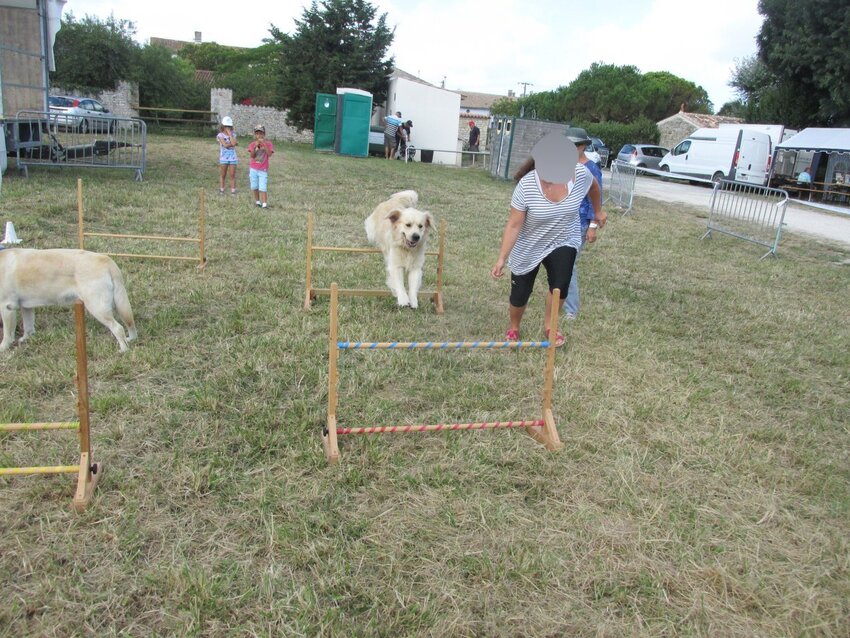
[227,159]
[260,151]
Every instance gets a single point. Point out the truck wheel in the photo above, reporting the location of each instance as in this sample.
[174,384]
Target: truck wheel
[717,177]
[665,169]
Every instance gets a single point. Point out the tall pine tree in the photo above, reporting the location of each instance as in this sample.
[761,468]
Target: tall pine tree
[339,43]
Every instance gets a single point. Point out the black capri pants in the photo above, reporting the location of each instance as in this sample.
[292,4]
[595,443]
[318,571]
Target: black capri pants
[559,270]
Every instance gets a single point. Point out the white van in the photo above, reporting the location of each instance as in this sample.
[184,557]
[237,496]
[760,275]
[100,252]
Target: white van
[722,153]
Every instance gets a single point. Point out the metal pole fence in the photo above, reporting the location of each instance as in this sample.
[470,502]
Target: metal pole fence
[752,213]
[621,186]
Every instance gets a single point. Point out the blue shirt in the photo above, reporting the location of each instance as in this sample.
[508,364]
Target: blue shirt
[586,210]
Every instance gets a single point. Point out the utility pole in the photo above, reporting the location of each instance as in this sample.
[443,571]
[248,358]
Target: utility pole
[525,85]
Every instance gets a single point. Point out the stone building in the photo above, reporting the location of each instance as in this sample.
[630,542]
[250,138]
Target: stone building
[679,125]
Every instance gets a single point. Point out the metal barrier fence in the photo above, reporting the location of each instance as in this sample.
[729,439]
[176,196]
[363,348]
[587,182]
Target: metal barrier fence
[56,139]
[621,186]
[753,213]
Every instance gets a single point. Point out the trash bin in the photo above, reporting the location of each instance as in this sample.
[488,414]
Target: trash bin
[426,156]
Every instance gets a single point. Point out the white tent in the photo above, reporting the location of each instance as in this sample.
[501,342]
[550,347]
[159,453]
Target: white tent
[818,140]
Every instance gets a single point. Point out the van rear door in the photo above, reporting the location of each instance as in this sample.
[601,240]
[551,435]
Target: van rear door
[753,158]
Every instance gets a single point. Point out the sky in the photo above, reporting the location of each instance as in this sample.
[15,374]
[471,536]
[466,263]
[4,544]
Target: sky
[493,46]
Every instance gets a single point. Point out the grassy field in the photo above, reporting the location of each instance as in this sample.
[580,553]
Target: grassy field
[703,398]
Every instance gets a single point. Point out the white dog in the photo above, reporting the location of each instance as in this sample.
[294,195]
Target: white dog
[400,231]
[30,278]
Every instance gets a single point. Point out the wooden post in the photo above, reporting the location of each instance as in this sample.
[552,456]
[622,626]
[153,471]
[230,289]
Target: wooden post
[202,227]
[308,295]
[549,437]
[438,295]
[329,437]
[89,472]
[80,213]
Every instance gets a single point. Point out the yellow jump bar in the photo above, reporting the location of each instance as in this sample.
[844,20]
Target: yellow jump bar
[49,469]
[14,427]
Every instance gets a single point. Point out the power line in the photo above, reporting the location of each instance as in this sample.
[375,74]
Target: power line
[525,85]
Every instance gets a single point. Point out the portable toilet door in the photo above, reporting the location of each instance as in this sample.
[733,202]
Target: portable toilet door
[324,124]
[353,122]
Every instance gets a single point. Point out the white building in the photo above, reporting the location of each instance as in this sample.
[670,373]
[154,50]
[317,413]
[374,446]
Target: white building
[433,111]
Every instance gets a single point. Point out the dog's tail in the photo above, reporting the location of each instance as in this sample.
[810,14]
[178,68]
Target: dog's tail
[409,198]
[122,301]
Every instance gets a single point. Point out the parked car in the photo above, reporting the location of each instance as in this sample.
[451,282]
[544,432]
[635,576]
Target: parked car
[602,150]
[642,155]
[593,155]
[81,114]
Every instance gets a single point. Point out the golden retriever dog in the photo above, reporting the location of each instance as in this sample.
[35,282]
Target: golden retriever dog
[400,230]
[31,278]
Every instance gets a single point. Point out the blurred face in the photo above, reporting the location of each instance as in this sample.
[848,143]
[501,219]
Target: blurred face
[259,135]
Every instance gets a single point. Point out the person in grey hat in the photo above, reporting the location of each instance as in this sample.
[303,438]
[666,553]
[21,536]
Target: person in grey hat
[543,226]
[586,215]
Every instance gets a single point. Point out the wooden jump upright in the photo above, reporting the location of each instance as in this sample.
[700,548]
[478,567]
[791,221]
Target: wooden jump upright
[200,239]
[88,472]
[311,292]
[542,429]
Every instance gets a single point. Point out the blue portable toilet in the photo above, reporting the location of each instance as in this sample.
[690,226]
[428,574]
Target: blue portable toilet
[353,117]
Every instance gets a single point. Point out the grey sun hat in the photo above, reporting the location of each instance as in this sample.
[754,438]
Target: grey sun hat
[577,135]
[555,158]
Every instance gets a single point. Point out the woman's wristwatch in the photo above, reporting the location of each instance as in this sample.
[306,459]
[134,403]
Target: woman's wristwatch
[593,225]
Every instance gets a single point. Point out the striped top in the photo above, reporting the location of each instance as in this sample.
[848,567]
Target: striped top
[547,225]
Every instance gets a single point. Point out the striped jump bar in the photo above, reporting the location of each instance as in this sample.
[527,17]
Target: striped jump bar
[442,426]
[437,345]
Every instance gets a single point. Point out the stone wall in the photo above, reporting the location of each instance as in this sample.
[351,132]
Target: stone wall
[246,116]
[674,131]
[121,102]
[481,121]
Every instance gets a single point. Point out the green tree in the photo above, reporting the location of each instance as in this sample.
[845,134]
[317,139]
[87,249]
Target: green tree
[606,92]
[341,44]
[94,55]
[667,93]
[804,46]
[168,81]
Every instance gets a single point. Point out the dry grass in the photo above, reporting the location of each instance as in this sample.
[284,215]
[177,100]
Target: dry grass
[702,398]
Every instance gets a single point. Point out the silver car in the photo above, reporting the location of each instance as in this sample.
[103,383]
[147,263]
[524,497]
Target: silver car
[81,114]
[642,155]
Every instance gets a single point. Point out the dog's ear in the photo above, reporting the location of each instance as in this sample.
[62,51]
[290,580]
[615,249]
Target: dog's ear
[394,216]
[429,220]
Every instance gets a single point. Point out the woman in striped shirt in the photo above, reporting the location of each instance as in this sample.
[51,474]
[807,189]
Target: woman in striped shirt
[544,227]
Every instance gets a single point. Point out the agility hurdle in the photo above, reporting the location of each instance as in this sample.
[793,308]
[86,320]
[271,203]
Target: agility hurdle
[200,239]
[311,293]
[87,471]
[542,430]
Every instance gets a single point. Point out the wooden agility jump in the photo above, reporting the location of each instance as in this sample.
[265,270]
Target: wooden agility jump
[311,292]
[88,472]
[200,239]
[542,429]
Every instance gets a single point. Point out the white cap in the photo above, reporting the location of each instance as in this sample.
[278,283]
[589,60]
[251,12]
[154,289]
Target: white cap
[227,121]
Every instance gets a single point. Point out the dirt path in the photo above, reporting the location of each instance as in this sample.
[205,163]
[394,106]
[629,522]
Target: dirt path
[799,218]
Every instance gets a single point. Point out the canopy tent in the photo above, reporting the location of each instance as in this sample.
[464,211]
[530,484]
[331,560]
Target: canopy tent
[818,140]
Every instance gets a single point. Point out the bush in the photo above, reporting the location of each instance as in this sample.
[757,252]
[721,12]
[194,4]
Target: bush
[617,134]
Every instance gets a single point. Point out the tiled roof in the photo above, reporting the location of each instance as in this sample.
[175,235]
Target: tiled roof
[472,100]
[703,120]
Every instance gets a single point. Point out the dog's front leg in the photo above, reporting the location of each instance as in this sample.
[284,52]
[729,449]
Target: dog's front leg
[9,315]
[414,282]
[395,281]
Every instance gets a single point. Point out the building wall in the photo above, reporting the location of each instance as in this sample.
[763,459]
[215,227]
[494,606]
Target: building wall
[511,141]
[483,124]
[674,130]
[245,117]
[23,75]
[434,115]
